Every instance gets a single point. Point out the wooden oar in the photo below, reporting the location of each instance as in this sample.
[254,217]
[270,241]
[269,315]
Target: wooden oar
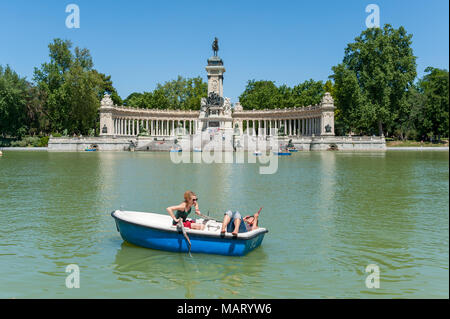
[183,230]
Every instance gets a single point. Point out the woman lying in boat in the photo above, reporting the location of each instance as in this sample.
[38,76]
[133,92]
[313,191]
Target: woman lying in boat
[184,209]
[241,225]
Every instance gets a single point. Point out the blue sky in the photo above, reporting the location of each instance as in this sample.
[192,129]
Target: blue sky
[142,43]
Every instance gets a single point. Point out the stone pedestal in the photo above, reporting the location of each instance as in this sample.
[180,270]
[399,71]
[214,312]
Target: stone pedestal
[215,71]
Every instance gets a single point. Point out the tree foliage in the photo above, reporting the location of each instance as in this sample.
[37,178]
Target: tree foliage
[13,102]
[381,67]
[266,95]
[72,87]
[434,106]
[179,94]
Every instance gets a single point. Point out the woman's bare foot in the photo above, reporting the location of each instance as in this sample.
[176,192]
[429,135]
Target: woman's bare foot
[234,233]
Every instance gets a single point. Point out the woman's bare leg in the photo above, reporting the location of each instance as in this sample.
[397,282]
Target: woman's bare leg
[237,223]
[226,221]
[255,221]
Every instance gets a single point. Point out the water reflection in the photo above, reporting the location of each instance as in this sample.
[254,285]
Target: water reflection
[198,276]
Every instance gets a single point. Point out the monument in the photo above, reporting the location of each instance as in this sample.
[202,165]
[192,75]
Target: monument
[215,119]
[218,126]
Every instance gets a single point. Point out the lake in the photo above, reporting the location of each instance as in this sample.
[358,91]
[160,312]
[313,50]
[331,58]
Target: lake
[329,215]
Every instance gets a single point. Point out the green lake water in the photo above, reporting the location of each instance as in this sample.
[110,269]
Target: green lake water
[329,215]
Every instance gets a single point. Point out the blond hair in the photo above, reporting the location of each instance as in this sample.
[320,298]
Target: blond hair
[188,196]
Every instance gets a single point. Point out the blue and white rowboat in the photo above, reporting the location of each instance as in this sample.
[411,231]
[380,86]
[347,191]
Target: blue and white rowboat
[156,231]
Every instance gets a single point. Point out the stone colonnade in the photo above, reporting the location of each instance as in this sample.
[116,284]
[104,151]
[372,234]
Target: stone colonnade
[298,121]
[291,127]
[131,126]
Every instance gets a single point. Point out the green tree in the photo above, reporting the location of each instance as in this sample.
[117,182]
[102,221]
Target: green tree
[108,87]
[435,88]
[261,95]
[13,103]
[384,67]
[72,88]
[308,93]
[180,94]
[266,95]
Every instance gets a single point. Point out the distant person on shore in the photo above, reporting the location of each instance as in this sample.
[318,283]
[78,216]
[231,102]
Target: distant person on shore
[184,209]
[234,223]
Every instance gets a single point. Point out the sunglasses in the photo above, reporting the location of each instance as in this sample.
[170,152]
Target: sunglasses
[195,199]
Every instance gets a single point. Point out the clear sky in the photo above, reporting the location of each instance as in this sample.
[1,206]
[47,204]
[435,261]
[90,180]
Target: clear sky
[142,43]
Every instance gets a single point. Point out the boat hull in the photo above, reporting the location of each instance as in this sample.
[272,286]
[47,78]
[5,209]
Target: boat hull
[282,153]
[174,241]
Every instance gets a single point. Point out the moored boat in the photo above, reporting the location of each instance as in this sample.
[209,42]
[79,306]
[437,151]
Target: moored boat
[156,231]
[92,148]
[178,150]
[282,153]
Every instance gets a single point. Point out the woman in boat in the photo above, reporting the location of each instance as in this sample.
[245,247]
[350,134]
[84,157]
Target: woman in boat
[184,209]
[241,225]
